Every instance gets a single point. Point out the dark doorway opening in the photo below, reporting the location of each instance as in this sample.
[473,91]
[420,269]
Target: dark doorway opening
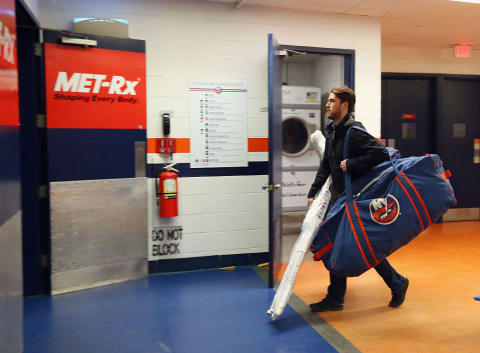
[435,113]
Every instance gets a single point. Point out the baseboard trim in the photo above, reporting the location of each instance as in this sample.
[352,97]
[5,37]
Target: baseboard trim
[206,262]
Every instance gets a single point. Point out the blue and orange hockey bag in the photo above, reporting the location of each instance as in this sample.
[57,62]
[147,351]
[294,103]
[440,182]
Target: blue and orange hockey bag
[382,211]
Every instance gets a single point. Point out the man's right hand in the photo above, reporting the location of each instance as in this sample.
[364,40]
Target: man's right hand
[310,201]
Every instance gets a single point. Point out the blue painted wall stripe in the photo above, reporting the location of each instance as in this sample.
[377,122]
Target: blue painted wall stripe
[88,154]
[254,168]
[206,262]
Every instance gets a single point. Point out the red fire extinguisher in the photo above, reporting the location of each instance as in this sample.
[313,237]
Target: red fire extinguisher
[167,196]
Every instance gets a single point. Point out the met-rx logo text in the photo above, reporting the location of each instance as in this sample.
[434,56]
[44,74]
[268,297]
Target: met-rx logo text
[385,210]
[7,44]
[93,83]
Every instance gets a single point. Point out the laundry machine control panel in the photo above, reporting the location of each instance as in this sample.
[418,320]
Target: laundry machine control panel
[301,95]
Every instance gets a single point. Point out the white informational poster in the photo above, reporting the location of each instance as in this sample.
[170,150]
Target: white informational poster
[295,188]
[218,129]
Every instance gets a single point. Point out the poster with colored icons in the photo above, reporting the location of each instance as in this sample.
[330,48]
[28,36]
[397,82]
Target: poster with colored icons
[218,129]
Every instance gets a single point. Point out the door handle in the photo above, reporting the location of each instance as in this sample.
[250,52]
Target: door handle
[271,187]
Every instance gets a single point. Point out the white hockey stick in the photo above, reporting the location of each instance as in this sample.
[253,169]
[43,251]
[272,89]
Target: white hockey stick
[314,217]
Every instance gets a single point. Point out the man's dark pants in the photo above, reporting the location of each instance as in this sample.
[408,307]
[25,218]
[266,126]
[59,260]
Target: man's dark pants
[338,285]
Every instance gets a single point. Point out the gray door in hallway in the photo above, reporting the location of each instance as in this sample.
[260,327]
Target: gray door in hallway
[437,114]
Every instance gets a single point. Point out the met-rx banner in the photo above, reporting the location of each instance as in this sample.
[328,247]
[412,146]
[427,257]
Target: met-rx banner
[92,88]
[8,65]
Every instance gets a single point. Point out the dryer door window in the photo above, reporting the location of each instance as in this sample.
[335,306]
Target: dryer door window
[295,136]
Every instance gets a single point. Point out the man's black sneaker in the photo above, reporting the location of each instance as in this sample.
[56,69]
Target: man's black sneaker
[325,306]
[399,296]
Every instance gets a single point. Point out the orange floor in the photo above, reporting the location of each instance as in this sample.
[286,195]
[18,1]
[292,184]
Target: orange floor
[439,313]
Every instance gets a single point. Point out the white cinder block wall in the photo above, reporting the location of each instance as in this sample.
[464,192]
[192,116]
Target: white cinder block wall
[428,60]
[189,40]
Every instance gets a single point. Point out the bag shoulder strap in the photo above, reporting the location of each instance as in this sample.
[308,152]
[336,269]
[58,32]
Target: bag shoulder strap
[348,176]
[346,142]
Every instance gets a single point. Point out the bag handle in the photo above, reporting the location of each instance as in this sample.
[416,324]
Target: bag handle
[348,176]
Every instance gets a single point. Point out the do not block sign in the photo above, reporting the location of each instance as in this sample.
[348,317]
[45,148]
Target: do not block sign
[165,242]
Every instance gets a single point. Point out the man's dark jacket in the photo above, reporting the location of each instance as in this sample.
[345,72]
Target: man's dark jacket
[364,153]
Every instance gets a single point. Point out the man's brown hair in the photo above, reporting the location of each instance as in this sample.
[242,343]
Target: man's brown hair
[345,94]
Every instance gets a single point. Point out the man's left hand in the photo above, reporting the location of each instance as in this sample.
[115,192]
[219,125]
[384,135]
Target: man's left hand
[343,165]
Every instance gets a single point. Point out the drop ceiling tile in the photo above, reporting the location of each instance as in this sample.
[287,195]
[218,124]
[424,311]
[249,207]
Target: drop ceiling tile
[363,11]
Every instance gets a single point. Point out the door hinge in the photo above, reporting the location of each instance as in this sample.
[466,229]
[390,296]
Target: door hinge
[42,191]
[41,121]
[38,49]
[44,261]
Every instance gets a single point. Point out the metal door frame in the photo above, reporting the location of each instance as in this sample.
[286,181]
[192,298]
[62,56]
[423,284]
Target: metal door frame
[349,80]
[35,209]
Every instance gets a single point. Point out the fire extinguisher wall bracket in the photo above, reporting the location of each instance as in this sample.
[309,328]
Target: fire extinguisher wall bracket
[156,192]
[167,191]
[167,145]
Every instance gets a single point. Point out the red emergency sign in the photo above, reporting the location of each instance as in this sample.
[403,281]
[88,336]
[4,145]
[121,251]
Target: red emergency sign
[409,116]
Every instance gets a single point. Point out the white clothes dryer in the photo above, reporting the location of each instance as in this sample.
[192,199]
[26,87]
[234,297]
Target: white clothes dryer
[299,157]
[297,150]
[300,118]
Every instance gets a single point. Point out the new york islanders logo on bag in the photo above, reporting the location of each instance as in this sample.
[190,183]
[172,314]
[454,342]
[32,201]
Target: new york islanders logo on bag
[384,210]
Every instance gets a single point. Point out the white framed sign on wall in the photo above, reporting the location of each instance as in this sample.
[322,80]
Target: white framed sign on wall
[218,129]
